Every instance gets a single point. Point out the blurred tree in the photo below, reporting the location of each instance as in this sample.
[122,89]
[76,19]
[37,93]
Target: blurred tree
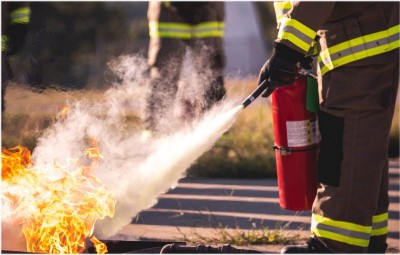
[70,43]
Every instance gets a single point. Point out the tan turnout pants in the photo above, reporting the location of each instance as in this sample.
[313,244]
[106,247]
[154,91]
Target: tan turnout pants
[355,120]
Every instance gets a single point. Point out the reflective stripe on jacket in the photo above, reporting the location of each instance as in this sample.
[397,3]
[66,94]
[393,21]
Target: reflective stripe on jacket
[359,48]
[292,31]
[14,14]
[20,16]
[4,42]
[350,233]
[349,31]
[281,8]
[186,31]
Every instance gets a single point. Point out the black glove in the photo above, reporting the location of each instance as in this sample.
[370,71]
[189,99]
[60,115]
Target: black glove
[280,68]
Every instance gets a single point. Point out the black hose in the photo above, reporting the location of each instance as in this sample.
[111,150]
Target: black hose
[260,89]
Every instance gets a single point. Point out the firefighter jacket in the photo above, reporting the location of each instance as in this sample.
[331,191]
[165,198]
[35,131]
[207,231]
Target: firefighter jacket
[349,33]
[14,20]
[186,20]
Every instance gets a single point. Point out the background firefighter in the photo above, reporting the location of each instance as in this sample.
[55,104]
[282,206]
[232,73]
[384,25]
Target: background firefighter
[359,64]
[176,27]
[15,18]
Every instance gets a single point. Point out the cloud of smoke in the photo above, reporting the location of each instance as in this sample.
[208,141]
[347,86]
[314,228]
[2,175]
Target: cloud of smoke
[12,238]
[136,168]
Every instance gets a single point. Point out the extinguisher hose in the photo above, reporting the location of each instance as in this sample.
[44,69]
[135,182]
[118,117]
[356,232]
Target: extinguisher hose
[264,86]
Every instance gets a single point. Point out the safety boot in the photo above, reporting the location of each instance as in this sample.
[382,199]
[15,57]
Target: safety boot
[312,246]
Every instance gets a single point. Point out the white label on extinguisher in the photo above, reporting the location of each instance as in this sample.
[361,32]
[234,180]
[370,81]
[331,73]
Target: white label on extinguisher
[302,133]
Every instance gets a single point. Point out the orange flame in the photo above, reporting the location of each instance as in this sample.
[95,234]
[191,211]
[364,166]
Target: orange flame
[57,209]
[101,248]
[64,110]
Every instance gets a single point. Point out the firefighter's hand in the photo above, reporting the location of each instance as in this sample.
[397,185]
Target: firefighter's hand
[280,68]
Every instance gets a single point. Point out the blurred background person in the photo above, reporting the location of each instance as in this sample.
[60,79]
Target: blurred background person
[15,17]
[176,28]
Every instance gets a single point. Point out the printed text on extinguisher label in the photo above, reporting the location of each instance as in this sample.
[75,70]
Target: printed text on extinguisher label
[302,133]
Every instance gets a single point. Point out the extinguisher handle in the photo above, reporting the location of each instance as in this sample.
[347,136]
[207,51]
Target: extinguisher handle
[257,92]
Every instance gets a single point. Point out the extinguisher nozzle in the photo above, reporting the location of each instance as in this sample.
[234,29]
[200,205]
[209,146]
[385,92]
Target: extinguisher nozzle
[260,89]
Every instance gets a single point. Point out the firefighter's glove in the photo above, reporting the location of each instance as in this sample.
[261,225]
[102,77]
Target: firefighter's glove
[280,68]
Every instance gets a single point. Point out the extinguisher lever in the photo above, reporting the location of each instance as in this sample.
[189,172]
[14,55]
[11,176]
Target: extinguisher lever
[308,73]
[264,86]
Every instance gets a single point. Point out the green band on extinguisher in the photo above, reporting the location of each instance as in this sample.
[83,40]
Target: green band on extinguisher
[312,99]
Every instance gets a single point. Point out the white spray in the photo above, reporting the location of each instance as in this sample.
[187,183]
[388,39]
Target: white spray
[137,170]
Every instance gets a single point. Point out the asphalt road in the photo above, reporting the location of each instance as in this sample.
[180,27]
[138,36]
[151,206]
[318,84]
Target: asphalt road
[202,207]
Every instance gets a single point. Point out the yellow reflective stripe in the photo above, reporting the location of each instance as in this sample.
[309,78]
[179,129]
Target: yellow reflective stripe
[342,224]
[186,31]
[208,29]
[281,8]
[297,33]
[313,51]
[211,24]
[172,30]
[379,231]
[166,3]
[359,48]
[380,224]
[4,43]
[380,217]
[20,15]
[341,238]
[341,231]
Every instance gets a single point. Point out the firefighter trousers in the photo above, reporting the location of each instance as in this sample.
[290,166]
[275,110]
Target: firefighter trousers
[350,212]
[166,57]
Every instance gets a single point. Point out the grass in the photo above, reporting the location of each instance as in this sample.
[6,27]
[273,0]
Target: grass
[243,237]
[257,235]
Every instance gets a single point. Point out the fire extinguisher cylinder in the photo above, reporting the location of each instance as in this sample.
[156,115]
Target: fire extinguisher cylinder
[264,86]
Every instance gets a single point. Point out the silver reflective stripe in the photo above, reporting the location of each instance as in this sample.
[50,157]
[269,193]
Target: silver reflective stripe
[298,34]
[205,29]
[362,47]
[21,15]
[345,232]
[186,31]
[379,225]
[175,30]
[331,58]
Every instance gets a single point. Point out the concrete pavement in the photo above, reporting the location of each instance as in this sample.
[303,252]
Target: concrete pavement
[199,209]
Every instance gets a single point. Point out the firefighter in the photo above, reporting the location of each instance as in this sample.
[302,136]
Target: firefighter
[358,60]
[175,27]
[14,27]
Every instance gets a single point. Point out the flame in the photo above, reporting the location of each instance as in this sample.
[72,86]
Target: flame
[57,208]
[101,248]
[64,110]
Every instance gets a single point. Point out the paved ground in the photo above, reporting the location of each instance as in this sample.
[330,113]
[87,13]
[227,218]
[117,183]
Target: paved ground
[200,209]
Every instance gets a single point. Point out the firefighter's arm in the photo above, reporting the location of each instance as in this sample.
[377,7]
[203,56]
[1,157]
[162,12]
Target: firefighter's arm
[298,27]
[297,32]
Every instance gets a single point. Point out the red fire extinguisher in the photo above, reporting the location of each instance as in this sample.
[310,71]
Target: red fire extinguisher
[297,138]
[296,145]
